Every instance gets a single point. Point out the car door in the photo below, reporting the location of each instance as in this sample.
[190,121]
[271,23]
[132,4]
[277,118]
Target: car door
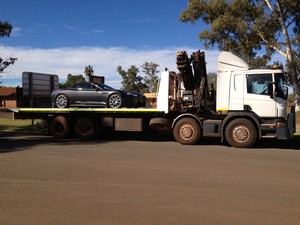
[100,96]
[87,94]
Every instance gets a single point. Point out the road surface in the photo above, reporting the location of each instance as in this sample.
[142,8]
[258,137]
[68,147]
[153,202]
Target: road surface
[134,180]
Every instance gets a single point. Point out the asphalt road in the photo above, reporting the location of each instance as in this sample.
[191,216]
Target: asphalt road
[134,180]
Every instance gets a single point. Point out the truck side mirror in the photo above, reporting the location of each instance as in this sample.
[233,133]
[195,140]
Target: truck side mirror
[270,90]
[282,92]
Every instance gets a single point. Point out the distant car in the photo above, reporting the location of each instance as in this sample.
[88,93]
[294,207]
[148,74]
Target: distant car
[96,95]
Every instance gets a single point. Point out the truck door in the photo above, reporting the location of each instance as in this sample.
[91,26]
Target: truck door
[236,100]
[257,96]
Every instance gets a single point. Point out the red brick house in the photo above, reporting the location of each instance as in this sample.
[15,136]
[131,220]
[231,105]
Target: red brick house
[10,97]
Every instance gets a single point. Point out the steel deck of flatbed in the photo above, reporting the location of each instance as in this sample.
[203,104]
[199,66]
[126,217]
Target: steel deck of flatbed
[36,113]
[69,110]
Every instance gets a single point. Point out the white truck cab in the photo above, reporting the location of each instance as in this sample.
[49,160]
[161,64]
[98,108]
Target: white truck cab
[240,88]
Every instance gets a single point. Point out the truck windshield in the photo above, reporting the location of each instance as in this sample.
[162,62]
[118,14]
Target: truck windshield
[280,89]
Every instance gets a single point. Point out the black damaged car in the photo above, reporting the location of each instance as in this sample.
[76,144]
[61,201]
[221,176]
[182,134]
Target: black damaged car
[96,95]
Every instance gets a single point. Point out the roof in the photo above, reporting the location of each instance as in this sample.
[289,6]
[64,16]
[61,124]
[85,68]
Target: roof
[150,95]
[230,62]
[8,91]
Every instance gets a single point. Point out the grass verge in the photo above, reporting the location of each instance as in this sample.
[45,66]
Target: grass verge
[20,125]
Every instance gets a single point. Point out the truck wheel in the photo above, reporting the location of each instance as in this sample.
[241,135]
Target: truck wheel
[241,133]
[61,101]
[59,127]
[187,131]
[85,128]
[115,101]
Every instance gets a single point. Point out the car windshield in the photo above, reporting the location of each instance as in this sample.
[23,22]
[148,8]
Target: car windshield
[104,86]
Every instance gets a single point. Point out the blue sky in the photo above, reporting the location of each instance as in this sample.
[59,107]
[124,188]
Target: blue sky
[72,23]
[62,37]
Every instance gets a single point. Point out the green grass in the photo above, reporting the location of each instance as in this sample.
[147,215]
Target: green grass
[18,125]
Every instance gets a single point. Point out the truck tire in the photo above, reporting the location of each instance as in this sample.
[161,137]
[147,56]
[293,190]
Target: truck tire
[187,131]
[85,128]
[241,133]
[59,127]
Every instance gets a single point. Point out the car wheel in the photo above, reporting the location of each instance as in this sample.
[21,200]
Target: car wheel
[115,101]
[61,101]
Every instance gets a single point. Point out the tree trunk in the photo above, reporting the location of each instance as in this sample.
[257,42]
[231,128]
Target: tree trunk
[295,85]
[297,96]
[290,57]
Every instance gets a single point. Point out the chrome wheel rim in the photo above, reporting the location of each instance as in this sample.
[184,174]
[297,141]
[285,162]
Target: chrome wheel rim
[115,101]
[61,101]
[241,133]
[186,131]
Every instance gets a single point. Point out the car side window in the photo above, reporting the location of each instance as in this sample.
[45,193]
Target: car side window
[87,86]
[258,83]
[76,86]
[93,86]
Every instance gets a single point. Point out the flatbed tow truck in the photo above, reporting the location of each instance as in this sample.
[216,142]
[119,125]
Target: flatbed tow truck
[249,104]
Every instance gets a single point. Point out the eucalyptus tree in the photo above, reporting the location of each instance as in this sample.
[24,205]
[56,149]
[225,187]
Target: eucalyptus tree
[131,81]
[5,30]
[89,72]
[252,29]
[73,79]
[150,78]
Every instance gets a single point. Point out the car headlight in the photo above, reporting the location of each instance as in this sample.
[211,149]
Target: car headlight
[131,94]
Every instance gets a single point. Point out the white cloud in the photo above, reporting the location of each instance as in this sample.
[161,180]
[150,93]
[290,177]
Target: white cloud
[69,27]
[97,31]
[62,61]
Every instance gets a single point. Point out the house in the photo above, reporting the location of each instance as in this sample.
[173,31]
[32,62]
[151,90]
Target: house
[10,97]
[151,99]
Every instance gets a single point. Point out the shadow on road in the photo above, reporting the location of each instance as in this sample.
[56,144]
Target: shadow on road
[292,144]
[12,142]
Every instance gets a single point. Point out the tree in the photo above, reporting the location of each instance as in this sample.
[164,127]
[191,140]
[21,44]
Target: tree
[249,28]
[73,79]
[131,81]
[89,72]
[212,79]
[5,63]
[5,30]
[151,79]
